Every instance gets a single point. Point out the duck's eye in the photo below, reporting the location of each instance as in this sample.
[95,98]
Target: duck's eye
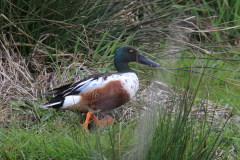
[131,50]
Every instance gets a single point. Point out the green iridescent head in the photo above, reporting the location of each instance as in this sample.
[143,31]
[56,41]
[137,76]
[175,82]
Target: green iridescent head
[127,54]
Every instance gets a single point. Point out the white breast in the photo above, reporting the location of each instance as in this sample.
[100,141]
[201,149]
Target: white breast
[129,82]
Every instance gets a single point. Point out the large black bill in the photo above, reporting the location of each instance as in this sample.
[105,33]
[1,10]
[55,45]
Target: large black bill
[144,60]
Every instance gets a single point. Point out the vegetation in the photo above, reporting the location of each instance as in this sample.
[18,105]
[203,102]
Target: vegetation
[188,108]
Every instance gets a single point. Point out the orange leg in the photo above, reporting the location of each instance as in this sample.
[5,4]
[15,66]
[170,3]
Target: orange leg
[87,119]
[104,122]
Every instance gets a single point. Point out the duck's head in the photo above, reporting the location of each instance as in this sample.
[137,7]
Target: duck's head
[127,54]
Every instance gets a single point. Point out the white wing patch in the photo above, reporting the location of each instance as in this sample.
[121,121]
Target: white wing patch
[70,100]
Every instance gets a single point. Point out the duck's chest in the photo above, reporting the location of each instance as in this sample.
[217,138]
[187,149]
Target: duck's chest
[129,82]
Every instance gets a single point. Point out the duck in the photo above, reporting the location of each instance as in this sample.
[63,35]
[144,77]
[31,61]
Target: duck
[101,92]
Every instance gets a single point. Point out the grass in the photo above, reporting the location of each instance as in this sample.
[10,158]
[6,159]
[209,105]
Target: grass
[220,79]
[47,44]
[152,135]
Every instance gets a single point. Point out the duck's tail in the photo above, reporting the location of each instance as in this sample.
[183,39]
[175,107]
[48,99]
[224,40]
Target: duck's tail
[56,102]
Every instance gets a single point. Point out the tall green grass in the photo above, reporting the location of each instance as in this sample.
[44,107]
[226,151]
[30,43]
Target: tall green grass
[162,132]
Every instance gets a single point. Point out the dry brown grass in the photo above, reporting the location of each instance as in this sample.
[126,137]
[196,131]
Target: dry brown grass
[26,80]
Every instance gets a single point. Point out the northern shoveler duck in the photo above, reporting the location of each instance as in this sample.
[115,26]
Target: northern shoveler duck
[101,92]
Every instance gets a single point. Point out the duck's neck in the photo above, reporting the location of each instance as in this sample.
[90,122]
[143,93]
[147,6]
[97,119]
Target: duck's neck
[122,67]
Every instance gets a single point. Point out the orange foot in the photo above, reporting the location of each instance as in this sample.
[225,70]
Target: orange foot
[103,123]
[107,120]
